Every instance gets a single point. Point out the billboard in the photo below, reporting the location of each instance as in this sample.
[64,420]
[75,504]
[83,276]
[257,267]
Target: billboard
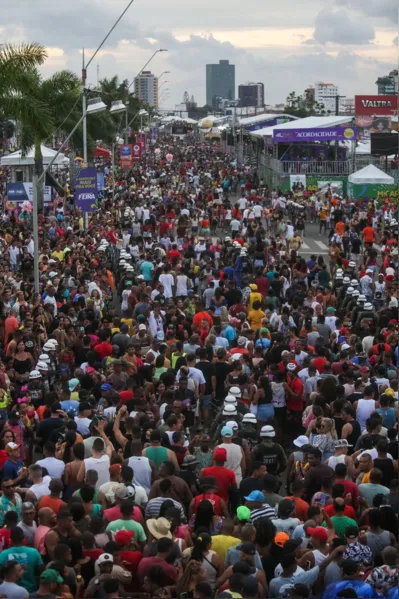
[136,149]
[369,124]
[376,105]
[384,144]
[22,192]
[141,140]
[126,156]
[322,134]
[86,189]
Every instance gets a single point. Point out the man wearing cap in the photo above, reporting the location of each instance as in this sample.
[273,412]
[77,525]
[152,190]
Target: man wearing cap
[256,502]
[225,477]
[13,468]
[269,453]
[319,540]
[235,459]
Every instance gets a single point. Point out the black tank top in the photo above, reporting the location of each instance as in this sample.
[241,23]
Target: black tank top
[355,434]
[339,423]
[387,469]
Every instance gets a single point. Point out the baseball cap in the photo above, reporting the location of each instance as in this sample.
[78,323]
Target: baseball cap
[248,548]
[189,460]
[318,533]
[345,346]
[123,537]
[106,387]
[291,366]
[243,513]
[123,493]
[267,431]
[227,431]
[364,369]
[11,446]
[331,309]
[281,538]
[232,424]
[72,384]
[255,496]
[301,441]
[351,532]
[105,558]
[51,575]
[241,341]
[142,327]
[341,443]
[220,454]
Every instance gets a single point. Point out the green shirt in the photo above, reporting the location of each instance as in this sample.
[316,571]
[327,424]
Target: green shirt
[138,530]
[340,525]
[29,559]
[158,455]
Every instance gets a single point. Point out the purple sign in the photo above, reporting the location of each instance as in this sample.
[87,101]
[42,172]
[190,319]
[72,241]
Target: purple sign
[86,189]
[325,134]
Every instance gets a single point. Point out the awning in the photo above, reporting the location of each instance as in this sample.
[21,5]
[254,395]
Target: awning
[102,152]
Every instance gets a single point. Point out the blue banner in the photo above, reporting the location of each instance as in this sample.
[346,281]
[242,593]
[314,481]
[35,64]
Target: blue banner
[86,189]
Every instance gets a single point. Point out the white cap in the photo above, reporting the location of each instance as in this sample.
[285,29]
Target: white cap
[42,366]
[44,358]
[230,400]
[291,366]
[232,424]
[350,290]
[345,346]
[267,431]
[35,374]
[352,264]
[235,391]
[368,306]
[142,327]
[105,558]
[229,410]
[301,441]
[249,417]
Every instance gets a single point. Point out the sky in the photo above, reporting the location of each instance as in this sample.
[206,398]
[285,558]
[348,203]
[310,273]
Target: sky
[287,45]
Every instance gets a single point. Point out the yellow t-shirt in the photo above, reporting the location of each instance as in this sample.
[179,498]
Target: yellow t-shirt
[255,319]
[221,543]
[59,255]
[254,296]
[129,322]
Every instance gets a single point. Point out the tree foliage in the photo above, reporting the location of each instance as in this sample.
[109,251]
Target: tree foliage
[303,105]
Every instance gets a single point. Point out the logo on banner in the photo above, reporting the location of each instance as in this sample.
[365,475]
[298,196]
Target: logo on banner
[126,156]
[136,152]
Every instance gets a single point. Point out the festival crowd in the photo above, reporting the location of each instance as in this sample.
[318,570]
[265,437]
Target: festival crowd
[189,407]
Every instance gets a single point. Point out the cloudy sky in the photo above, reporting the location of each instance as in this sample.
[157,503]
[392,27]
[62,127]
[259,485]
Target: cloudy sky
[286,44]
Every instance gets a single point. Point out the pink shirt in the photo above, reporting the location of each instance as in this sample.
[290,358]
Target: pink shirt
[114,513]
[38,541]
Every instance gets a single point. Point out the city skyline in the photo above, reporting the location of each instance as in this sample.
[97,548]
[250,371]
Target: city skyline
[348,42]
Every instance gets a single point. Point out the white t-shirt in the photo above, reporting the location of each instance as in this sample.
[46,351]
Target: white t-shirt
[167,281]
[42,488]
[288,525]
[101,466]
[83,425]
[181,285]
[54,467]
[257,211]
[234,457]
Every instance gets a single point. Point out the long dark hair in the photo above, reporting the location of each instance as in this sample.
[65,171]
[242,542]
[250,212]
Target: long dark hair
[204,515]
[264,384]
[201,543]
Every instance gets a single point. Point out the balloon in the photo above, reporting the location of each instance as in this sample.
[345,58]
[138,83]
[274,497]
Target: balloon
[169,157]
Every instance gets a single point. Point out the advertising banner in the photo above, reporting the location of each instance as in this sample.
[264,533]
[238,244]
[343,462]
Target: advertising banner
[322,134]
[141,140]
[126,156]
[100,181]
[376,105]
[267,123]
[369,124]
[297,180]
[86,189]
[136,152]
[377,192]
[314,183]
[22,192]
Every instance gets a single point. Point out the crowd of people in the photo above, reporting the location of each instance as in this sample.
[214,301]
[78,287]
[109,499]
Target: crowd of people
[189,407]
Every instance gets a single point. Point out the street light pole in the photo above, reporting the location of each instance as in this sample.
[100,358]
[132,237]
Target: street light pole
[84,76]
[162,74]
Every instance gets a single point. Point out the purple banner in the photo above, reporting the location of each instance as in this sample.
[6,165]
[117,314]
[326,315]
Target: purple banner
[327,134]
[86,189]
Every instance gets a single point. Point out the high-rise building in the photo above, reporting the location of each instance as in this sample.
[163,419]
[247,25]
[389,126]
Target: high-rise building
[388,85]
[146,88]
[220,82]
[326,94]
[252,94]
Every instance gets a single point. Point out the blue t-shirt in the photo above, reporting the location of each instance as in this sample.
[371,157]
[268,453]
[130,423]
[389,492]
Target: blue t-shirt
[146,270]
[362,589]
[29,559]
[70,404]
[229,272]
[12,469]
[388,416]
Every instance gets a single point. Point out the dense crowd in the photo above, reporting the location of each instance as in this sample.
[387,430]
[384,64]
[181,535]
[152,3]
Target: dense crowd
[190,408]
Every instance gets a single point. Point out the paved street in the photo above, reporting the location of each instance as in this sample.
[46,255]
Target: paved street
[313,243]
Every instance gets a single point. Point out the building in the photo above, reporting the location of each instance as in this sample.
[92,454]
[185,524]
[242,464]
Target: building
[326,94]
[388,85]
[146,88]
[220,82]
[251,94]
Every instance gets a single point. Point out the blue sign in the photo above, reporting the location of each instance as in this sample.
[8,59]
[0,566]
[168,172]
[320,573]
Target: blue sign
[86,189]
[100,181]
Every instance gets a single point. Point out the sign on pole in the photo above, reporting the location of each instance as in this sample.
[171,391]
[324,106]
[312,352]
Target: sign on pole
[86,189]
[126,156]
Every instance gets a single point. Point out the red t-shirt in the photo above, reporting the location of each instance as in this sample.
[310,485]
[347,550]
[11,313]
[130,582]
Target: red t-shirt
[103,350]
[319,363]
[132,559]
[352,488]
[173,256]
[148,562]
[214,499]
[93,553]
[224,477]
[295,404]
[348,511]
[114,513]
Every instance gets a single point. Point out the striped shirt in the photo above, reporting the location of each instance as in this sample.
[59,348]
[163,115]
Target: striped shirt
[263,512]
[154,506]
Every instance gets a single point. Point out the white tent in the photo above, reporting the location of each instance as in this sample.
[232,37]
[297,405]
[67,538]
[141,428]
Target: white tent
[371,175]
[16,158]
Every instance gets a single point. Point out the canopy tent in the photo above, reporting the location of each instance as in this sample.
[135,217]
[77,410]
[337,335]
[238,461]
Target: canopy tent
[260,118]
[370,175]
[102,152]
[17,159]
[309,122]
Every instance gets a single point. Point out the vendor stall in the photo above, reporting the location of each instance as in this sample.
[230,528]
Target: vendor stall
[372,183]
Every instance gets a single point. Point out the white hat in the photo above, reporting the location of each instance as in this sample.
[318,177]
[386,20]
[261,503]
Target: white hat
[267,431]
[352,264]
[370,270]
[35,374]
[250,418]
[53,274]
[44,358]
[235,392]
[347,280]
[48,346]
[345,346]
[354,283]
[105,558]
[42,366]
[142,327]
[227,238]
[368,306]
[362,298]
[291,366]
[232,424]
[339,271]
[229,410]
[356,293]
[350,290]
[393,303]
[230,400]
[141,277]
[52,342]
[339,277]
[301,441]
[242,341]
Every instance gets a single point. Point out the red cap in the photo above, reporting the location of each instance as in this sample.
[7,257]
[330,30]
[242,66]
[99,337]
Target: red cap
[220,454]
[123,537]
[344,332]
[393,321]
[364,369]
[318,533]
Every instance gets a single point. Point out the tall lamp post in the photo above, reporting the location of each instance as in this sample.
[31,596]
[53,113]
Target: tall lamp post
[116,108]
[84,76]
[95,105]
[162,74]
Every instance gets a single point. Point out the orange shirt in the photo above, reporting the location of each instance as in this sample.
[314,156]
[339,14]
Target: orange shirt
[52,502]
[301,508]
[368,234]
[340,228]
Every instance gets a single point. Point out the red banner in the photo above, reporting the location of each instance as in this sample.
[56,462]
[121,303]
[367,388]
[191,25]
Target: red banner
[136,152]
[141,140]
[376,105]
[126,156]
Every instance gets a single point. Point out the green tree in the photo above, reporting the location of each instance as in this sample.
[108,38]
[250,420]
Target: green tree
[303,106]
